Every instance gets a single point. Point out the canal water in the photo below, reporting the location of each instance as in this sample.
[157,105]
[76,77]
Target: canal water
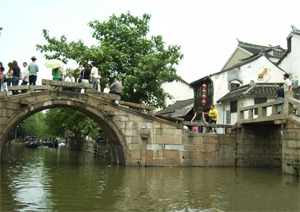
[47,179]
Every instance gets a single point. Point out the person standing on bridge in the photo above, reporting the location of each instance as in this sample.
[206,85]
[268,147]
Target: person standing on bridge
[25,77]
[287,83]
[33,68]
[56,73]
[280,95]
[94,76]
[16,75]
[9,76]
[69,78]
[213,114]
[199,117]
[1,75]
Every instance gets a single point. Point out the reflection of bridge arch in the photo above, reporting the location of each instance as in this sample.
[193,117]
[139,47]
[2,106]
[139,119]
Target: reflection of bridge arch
[49,100]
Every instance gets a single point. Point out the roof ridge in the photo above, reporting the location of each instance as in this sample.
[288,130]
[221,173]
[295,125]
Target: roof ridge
[249,89]
[251,45]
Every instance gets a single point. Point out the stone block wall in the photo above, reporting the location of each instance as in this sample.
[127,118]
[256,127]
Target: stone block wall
[291,148]
[259,146]
[178,147]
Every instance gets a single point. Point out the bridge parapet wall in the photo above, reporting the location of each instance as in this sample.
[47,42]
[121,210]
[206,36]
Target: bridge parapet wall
[191,149]
[291,146]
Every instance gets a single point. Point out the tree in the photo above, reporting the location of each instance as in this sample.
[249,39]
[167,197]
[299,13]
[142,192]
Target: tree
[61,119]
[34,125]
[124,50]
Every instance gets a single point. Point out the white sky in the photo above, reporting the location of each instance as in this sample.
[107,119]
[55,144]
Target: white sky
[205,30]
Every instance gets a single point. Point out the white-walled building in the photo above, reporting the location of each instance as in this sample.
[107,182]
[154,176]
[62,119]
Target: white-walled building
[290,62]
[259,67]
[179,90]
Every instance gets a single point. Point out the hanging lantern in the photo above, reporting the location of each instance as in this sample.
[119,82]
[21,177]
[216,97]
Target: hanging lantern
[203,94]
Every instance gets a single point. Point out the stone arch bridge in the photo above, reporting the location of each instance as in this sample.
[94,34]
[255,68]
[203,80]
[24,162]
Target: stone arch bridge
[139,137]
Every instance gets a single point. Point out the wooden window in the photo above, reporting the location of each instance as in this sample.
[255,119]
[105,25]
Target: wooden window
[234,86]
[233,107]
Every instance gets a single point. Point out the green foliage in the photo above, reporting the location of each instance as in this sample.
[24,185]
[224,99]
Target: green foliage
[35,125]
[295,164]
[62,119]
[53,125]
[124,50]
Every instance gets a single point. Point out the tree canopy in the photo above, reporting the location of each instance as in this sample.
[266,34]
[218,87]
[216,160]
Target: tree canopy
[35,125]
[61,119]
[123,50]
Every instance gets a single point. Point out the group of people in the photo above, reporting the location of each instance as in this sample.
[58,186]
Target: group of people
[211,118]
[28,76]
[93,77]
[14,74]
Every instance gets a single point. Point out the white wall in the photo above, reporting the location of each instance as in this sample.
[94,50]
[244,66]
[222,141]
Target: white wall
[291,63]
[247,101]
[179,90]
[246,74]
[220,86]
[251,71]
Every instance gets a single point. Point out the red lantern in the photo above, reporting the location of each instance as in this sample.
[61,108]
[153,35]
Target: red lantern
[203,94]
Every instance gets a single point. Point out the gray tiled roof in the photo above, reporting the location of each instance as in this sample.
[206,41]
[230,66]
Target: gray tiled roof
[178,109]
[254,49]
[259,90]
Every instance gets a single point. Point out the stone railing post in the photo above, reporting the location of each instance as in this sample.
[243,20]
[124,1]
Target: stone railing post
[288,108]
[240,114]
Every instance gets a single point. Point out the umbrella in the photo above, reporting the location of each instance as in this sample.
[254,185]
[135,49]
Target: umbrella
[54,64]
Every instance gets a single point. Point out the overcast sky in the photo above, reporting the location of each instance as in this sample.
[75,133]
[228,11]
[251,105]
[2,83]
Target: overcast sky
[207,31]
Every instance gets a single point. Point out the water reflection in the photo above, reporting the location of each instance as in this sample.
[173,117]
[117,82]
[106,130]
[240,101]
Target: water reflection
[62,180]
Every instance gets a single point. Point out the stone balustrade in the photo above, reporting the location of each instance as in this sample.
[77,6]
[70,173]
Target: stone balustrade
[290,106]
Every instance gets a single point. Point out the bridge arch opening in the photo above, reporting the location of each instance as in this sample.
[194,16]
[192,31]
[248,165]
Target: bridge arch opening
[113,133]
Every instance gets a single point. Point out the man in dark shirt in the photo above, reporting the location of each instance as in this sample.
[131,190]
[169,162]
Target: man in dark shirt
[280,95]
